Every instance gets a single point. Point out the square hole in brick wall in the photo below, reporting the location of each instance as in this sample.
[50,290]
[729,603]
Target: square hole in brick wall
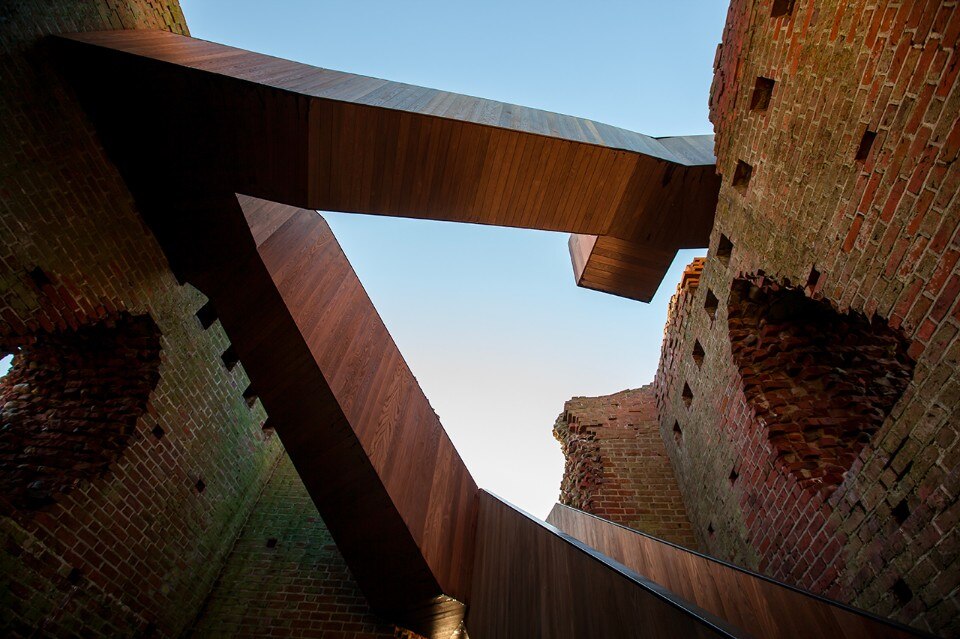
[687,395]
[724,248]
[272,542]
[230,358]
[698,353]
[762,92]
[734,475]
[157,432]
[866,143]
[201,486]
[902,591]
[39,278]
[710,304]
[250,396]
[781,8]
[742,175]
[677,433]
[901,511]
[813,279]
[207,315]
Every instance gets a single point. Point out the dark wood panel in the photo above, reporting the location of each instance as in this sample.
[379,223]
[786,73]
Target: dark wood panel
[327,140]
[760,606]
[423,475]
[387,480]
[610,265]
[530,580]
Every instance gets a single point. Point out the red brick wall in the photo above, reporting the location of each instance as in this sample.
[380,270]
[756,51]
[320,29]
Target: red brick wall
[133,528]
[616,464]
[70,405]
[285,576]
[865,228]
[129,458]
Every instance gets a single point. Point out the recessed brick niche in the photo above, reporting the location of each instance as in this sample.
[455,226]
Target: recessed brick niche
[70,404]
[821,382]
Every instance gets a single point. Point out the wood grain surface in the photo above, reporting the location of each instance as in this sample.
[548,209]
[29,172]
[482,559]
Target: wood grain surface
[619,267]
[383,473]
[530,580]
[759,606]
[327,140]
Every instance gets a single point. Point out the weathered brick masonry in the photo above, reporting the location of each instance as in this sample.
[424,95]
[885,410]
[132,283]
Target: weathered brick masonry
[616,464]
[285,576]
[838,128]
[71,404]
[130,458]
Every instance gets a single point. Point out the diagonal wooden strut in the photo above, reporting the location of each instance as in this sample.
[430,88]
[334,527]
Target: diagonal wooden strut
[383,473]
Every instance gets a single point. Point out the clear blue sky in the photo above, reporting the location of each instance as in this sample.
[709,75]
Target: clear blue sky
[488,318]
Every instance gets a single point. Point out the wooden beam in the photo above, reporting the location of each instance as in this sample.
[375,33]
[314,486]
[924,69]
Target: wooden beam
[327,140]
[383,473]
[622,268]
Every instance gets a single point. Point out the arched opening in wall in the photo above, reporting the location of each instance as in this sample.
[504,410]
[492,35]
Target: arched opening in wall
[820,381]
[70,403]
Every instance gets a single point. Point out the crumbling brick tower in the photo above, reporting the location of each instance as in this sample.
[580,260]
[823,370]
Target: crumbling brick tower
[808,392]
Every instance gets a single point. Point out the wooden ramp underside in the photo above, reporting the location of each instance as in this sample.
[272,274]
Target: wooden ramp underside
[327,140]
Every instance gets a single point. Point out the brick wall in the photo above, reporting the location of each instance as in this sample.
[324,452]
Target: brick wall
[838,127]
[70,406]
[285,576]
[130,458]
[126,533]
[616,464]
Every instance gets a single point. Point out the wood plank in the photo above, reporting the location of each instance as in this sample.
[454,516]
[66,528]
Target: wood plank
[531,580]
[322,139]
[760,606]
[387,480]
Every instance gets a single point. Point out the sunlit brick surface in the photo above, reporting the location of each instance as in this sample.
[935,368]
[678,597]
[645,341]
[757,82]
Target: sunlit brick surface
[864,223]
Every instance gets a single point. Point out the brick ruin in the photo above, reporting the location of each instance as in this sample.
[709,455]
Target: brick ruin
[807,392]
[134,461]
[617,466]
[70,405]
[820,382]
[803,421]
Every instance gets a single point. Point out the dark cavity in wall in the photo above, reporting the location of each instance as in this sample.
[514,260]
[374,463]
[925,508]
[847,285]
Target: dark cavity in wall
[762,92]
[781,8]
[710,304]
[724,248]
[820,381]
[70,404]
[698,353]
[866,143]
[742,175]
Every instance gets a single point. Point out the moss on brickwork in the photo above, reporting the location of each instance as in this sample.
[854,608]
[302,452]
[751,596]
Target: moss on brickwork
[871,228]
[285,576]
[133,550]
